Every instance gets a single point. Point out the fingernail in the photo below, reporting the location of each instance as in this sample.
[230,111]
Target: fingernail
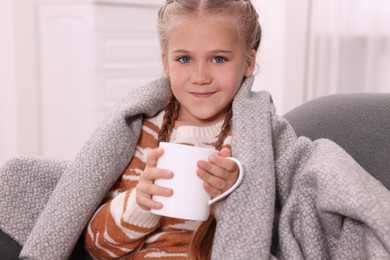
[212,158]
[202,164]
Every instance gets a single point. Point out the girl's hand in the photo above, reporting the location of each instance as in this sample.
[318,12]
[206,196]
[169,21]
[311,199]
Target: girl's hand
[219,173]
[146,187]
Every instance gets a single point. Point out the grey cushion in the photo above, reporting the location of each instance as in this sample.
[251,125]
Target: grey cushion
[360,123]
[9,248]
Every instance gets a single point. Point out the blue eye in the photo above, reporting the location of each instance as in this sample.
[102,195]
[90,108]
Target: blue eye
[218,59]
[184,59]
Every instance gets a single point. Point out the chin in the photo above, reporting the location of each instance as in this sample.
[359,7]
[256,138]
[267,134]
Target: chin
[211,118]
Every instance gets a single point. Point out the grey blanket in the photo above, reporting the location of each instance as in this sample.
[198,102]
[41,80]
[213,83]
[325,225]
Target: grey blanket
[298,200]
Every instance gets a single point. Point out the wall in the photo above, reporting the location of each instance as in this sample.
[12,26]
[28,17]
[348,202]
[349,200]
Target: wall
[8,125]
[20,120]
[271,55]
[295,62]
[18,79]
[27,82]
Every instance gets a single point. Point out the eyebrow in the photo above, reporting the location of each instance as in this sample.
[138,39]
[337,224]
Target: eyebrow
[213,51]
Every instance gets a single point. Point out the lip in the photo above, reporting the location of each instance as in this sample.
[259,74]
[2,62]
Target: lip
[202,94]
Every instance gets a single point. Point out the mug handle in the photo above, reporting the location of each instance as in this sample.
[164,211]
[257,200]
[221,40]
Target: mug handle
[239,179]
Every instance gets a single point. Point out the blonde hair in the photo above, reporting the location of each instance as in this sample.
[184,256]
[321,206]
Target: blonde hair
[240,12]
[242,15]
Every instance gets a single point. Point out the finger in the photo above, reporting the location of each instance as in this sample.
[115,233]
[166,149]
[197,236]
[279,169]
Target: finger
[212,180]
[145,193]
[153,155]
[223,162]
[218,166]
[225,152]
[146,203]
[151,173]
[211,168]
[150,189]
[211,190]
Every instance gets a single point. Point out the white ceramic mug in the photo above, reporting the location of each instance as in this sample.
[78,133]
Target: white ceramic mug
[189,200]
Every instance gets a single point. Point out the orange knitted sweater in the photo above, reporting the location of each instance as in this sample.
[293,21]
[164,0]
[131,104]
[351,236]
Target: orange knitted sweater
[120,229]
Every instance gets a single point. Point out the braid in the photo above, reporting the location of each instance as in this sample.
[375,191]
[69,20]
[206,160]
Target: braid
[241,15]
[224,129]
[170,116]
[203,238]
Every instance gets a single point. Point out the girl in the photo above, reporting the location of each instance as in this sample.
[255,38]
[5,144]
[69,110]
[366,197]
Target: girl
[208,49]
[298,200]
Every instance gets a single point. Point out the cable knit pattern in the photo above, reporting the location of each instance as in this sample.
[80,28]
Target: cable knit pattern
[299,199]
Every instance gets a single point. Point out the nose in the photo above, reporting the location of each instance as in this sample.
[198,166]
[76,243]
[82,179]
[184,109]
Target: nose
[201,75]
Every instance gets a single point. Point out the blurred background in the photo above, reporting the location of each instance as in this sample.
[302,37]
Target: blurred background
[64,63]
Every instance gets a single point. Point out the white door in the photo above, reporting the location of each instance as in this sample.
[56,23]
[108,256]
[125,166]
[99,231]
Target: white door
[90,56]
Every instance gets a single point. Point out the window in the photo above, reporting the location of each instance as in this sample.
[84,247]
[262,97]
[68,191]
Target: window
[349,47]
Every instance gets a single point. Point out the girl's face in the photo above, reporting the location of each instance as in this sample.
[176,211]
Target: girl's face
[206,63]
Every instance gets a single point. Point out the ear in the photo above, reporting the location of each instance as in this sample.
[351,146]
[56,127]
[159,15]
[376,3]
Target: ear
[164,60]
[251,64]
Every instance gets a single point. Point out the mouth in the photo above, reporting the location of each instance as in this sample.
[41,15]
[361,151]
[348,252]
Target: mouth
[202,94]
